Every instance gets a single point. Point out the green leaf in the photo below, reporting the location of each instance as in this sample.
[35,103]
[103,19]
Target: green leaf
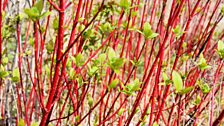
[185,90]
[178,31]
[120,112]
[5,60]
[21,122]
[79,60]
[3,73]
[72,74]
[153,35]
[55,23]
[50,46]
[102,58]
[177,80]
[114,83]
[221,49]
[33,13]
[136,85]
[155,124]
[39,5]
[204,88]
[90,100]
[125,4]
[45,14]
[220,45]
[198,100]
[34,123]
[92,70]
[132,87]
[222,10]
[111,54]
[106,28]
[147,31]
[202,63]
[116,63]
[165,77]
[15,75]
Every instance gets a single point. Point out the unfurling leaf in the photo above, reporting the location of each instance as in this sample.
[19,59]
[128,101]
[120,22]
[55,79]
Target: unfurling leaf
[177,81]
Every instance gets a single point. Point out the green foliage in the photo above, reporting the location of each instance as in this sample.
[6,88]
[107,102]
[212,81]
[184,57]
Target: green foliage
[222,10]
[185,90]
[125,4]
[55,23]
[5,60]
[114,63]
[50,46]
[15,75]
[178,31]
[72,74]
[92,70]
[34,123]
[197,100]
[105,28]
[120,112]
[3,72]
[35,12]
[129,89]
[114,83]
[204,88]
[21,122]
[221,49]
[202,63]
[177,81]
[147,31]
[79,60]
[166,79]
[90,100]
[155,124]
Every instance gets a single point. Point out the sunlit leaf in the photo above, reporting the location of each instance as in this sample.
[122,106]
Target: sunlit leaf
[177,81]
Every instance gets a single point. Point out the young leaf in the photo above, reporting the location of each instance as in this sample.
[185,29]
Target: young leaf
[155,124]
[34,123]
[222,10]
[124,3]
[111,54]
[55,23]
[204,88]
[113,84]
[178,31]
[185,90]
[45,14]
[90,100]
[21,122]
[5,60]
[102,58]
[115,64]
[221,49]
[177,80]
[39,5]
[120,112]
[79,61]
[15,75]
[147,29]
[202,63]
[3,73]
[33,13]
[220,45]
[153,35]
[198,100]
[92,70]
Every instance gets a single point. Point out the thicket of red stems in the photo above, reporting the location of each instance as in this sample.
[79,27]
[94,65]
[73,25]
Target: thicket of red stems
[111,62]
